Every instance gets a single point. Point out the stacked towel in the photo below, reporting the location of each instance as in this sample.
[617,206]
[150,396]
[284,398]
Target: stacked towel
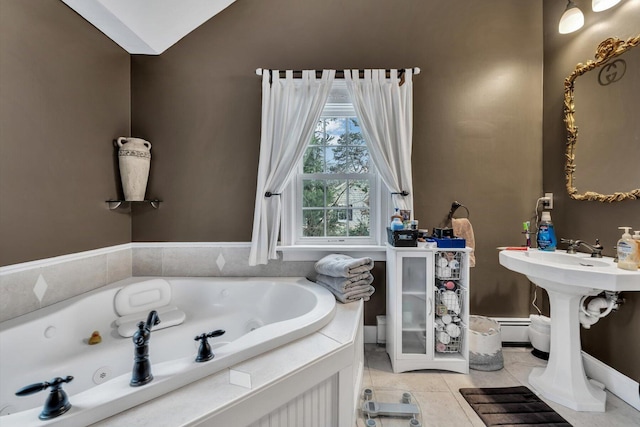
[349,279]
[339,265]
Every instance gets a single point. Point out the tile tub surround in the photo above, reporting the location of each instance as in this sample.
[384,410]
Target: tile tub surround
[32,285]
[274,378]
[441,405]
[29,286]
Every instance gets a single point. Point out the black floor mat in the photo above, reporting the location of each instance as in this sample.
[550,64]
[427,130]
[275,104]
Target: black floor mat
[511,406]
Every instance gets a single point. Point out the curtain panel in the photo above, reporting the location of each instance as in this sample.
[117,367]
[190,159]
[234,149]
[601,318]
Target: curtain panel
[290,110]
[384,107]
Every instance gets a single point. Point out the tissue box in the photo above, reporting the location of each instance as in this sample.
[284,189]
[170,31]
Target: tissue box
[402,238]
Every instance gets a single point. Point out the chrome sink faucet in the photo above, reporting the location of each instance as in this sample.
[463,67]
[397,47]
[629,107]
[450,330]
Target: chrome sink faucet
[141,373]
[596,249]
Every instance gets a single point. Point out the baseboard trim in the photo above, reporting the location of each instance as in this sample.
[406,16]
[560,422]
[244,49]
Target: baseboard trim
[619,384]
[370,334]
[514,329]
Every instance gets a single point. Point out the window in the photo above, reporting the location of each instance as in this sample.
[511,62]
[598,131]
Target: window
[334,197]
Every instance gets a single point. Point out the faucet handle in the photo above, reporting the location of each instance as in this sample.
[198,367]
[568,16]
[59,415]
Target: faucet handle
[57,402]
[204,352]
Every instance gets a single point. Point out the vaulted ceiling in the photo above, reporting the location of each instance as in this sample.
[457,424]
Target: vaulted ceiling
[147,27]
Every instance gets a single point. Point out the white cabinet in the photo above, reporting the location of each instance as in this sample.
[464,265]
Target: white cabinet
[427,308]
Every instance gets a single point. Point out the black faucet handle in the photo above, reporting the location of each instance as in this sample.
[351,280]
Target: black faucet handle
[55,384]
[216,333]
[204,352]
[57,402]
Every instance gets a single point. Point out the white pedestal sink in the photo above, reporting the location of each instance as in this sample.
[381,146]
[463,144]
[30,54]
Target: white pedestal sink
[567,278]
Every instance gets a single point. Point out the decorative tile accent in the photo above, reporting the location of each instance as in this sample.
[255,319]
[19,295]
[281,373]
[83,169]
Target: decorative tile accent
[238,378]
[40,288]
[220,261]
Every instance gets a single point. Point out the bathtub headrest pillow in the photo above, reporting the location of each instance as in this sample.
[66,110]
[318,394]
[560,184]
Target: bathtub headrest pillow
[134,302]
[169,315]
[143,296]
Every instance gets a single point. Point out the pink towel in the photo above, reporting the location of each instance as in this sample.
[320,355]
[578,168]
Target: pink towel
[462,228]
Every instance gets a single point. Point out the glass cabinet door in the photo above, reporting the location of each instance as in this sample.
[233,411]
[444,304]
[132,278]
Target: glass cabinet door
[414,304]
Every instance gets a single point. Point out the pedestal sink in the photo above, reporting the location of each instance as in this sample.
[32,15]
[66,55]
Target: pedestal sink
[567,278]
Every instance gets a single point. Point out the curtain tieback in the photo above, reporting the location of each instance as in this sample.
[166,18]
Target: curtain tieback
[402,193]
[269,194]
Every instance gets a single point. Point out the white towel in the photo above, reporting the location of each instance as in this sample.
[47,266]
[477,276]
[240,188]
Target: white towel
[353,294]
[345,284]
[339,265]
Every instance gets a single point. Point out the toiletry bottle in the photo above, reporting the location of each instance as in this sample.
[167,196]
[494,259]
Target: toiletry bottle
[636,238]
[546,233]
[627,251]
[396,221]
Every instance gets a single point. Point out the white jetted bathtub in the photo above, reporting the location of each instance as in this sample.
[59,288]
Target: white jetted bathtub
[257,315]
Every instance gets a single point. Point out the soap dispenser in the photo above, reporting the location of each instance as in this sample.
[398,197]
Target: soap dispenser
[627,251]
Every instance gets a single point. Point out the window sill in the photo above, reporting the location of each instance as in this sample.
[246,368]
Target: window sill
[316,252]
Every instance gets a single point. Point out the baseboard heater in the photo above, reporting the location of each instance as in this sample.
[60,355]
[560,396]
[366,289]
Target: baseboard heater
[513,330]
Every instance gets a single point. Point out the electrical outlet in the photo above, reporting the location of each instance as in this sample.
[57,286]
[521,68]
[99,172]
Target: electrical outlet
[548,202]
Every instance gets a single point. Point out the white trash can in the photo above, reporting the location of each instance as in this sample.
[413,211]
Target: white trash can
[485,344]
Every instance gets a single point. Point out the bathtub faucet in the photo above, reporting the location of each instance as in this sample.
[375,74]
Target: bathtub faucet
[141,373]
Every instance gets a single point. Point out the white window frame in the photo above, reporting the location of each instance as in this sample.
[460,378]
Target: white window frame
[292,198]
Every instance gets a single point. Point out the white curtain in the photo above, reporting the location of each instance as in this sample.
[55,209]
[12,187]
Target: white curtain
[290,110]
[385,110]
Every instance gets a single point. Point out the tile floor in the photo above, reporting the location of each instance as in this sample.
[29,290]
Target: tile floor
[436,392]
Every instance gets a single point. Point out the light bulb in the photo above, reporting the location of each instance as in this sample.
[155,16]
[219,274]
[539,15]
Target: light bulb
[600,5]
[572,19]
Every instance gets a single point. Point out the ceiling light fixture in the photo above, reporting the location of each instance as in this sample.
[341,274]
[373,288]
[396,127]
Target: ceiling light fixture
[600,5]
[572,19]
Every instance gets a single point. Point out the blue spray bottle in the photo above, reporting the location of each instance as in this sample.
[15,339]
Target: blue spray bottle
[546,233]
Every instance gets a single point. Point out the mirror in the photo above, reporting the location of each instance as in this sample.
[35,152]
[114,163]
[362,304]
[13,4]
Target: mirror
[602,104]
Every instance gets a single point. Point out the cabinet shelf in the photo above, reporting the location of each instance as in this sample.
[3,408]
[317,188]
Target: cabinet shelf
[126,204]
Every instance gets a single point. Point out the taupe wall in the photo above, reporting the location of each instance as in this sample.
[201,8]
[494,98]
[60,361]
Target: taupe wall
[477,116]
[614,339]
[478,126]
[65,94]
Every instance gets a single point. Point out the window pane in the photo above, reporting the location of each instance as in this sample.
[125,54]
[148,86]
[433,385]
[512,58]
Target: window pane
[360,223]
[355,133]
[359,193]
[336,193]
[313,193]
[313,161]
[313,222]
[335,128]
[357,160]
[337,159]
[335,226]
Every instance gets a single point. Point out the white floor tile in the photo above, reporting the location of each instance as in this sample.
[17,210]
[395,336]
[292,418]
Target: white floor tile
[440,403]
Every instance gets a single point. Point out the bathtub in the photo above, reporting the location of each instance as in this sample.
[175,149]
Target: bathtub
[258,315]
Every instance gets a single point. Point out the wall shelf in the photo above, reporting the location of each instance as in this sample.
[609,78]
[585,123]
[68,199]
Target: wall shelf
[126,204]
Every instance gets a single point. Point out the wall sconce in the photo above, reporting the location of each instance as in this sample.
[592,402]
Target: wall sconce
[572,19]
[600,5]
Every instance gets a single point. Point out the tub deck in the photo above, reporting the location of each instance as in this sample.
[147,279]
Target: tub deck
[243,394]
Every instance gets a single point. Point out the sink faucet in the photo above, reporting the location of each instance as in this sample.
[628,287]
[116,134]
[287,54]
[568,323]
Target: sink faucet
[596,250]
[141,373]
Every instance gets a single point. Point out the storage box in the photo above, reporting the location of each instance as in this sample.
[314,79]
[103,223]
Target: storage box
[450,242]
[403,238]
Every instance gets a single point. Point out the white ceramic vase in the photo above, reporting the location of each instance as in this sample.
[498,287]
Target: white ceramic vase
[134,156]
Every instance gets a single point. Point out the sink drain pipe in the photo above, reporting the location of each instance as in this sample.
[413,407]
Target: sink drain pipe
[593,311]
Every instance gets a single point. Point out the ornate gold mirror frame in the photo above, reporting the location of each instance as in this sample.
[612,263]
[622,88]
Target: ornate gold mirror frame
[608,49]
